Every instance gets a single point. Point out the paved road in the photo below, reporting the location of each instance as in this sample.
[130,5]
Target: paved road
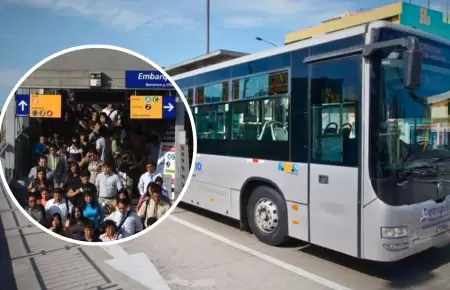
[192,251]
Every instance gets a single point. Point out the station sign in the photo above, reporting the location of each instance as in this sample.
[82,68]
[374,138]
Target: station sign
[151,79]
[152,107]
[45,106]
[22,105]
[38,106]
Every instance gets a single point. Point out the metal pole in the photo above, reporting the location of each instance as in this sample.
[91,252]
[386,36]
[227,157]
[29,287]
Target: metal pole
[207,25]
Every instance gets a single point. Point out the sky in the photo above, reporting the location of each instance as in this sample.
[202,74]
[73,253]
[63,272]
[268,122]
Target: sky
[166,32]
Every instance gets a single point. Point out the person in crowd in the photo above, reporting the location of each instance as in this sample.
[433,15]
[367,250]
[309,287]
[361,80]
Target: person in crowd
[74,226]
[56,162]
[45,196]
[89,233]
[60,205]
[91,161]
[51,177]
[41,148]
[39,183]
[94,119]
[154,207]
[147,177]
[77,189]
[110,232]
[57,224]
[104,119]
[56,140]
[75,150]
[72,176]
[103,145]
[92,209]
[62,152]
[127,179]
[93,137]
[128,223]
[108,184]
[143,198]
[35,210]
[164,192]
[111,113]
[83,140]
[123,194]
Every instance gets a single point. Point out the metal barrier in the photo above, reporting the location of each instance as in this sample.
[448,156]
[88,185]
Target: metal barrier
[15,159]
[7,160]
[183,168]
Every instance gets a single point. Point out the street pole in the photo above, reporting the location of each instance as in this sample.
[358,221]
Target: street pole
[266,41]
[207,25]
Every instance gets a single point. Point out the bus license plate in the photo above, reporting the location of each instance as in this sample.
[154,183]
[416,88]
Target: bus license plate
[442,228]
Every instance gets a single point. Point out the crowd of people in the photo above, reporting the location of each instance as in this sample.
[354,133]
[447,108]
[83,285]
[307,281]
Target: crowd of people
[96,176]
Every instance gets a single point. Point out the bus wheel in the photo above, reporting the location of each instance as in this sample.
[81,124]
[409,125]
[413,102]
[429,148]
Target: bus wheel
[267,216]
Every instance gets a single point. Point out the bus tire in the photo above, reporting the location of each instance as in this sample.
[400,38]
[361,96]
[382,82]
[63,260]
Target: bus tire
[270,225]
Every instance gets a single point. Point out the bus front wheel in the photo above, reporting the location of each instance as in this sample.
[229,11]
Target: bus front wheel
[267,216]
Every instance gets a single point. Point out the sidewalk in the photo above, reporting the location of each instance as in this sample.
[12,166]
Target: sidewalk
[32,259]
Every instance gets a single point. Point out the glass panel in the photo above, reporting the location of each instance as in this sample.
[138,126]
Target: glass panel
[262,120]
[335,94]
[410,129]
[212,122]
[261,86]
[189,95]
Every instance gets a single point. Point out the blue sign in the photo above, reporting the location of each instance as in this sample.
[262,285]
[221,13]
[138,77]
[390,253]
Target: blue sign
[198,166]
[22,105]
[151,79]
[169,110]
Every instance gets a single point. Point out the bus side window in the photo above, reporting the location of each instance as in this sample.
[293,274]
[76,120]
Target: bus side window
[335,98]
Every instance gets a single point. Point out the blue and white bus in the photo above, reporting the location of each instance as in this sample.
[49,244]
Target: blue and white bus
[299,141]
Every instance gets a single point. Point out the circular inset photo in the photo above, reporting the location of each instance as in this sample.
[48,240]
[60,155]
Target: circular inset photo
[104,145]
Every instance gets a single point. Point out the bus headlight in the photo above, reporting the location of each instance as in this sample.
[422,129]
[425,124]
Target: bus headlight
[394,232]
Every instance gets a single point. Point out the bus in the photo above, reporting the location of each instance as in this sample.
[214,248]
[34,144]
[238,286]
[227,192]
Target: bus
[304,141]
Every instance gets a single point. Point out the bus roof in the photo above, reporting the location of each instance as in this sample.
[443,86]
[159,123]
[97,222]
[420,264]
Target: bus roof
[357,30]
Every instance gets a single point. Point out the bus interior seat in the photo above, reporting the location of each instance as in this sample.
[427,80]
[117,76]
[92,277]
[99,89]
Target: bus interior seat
[279,133]
[265,132]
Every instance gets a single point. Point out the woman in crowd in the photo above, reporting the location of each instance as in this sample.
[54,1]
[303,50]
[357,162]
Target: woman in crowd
[110,232]
[92,163]
[74,227]
[92,210]
[123,194]
[56,224]
[45,196]
[72,175]
[39,182]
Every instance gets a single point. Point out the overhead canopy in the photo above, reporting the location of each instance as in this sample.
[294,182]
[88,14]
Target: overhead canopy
[215,57]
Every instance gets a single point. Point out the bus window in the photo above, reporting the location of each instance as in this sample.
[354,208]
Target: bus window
[335,97]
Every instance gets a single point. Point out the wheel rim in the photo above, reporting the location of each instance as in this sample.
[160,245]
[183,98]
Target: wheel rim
[266,215]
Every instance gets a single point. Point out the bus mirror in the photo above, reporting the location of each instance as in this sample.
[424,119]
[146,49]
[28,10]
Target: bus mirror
[412,67]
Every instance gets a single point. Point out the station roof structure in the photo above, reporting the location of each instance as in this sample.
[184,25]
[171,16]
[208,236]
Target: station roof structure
[204,60]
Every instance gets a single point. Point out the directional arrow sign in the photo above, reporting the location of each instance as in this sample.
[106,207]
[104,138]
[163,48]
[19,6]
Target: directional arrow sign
[169,107]
[22,105]
[136,266]
[169,111]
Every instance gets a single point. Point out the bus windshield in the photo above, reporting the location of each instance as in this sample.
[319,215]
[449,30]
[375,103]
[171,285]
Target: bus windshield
[410,129]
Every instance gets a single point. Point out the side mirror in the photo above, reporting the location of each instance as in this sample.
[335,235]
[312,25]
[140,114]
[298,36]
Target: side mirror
[412,64]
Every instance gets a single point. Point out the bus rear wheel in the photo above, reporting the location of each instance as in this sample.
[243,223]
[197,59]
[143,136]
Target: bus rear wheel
[267,216]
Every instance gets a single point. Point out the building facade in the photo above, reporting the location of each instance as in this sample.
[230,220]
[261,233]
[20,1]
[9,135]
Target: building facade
[431,21]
